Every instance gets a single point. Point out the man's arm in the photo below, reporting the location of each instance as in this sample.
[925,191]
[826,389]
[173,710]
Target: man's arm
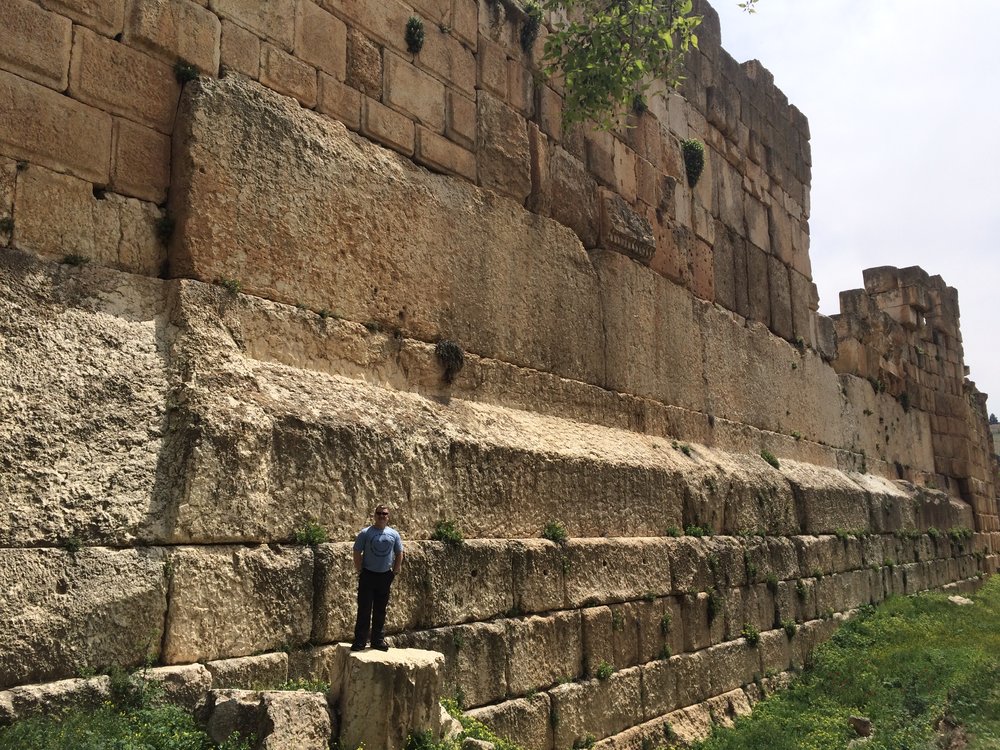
[397,564]
[357,561]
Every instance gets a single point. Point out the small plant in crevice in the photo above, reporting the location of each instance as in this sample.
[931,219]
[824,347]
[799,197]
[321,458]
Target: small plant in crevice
[933,533]
[904,401]
[750,567]
[693,152]
[232,286]
[770,458]
[458,640]
[451,357]
[584,743]
[684,448]
[184,71]
[164,229]
[617,620]
[698,531]
[867,412]
[604,671]
[6,224]
[414,35]
[74,259]
[665,652]
[446,531]
[790,627]
[772,583]
[714,605]
[309,534]
[531,26]
[554,531]
[750,634]
[72,544]
[639,105]
[800,590]
[666,622]
[796,435]
[673,531]
[889,563]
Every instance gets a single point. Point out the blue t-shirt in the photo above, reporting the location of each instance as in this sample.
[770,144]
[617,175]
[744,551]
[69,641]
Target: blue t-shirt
[378,547]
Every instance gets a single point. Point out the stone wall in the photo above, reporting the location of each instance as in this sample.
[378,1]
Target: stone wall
[219,304]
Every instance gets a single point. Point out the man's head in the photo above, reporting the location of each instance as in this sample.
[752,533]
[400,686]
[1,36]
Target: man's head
[381,516]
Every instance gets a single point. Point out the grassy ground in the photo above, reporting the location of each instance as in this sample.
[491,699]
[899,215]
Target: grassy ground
[925,671]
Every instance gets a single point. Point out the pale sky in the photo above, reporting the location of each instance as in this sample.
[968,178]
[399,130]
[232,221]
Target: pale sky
[904,113]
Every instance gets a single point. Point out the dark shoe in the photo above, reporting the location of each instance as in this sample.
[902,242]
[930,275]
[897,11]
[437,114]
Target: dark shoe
[357,647]
[381,646]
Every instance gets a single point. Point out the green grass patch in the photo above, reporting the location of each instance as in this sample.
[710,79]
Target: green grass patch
[906,665]
[113,728]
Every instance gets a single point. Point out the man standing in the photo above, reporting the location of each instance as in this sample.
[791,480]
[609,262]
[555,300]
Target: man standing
[378,557]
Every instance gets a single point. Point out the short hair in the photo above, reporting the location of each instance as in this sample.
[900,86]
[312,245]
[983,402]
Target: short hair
[380,506]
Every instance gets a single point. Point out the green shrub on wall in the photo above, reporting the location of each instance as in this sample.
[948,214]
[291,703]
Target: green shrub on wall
[693,151]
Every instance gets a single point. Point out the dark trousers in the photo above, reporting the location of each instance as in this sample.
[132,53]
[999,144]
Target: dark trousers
[373,598]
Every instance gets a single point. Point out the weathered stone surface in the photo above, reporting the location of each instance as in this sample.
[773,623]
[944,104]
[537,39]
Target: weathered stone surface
[288,75]
[51,698]
[61,613]
[122,80]
[373,230]
[38,43]
[62,216]
[84,336]
[543,651]
[503,152]
[324,663]
[623,230]
[605,570]
[597,707]
[140,164]
[44,127]
[826,500]
[321,39]
[574,196]
[175,30]
[186,685]
[278,720]
[249,672]
[409,680]
[103,16]
[526,721]
[273,20]
[235,601]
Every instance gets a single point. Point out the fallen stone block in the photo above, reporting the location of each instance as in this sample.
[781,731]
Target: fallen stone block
[277,720]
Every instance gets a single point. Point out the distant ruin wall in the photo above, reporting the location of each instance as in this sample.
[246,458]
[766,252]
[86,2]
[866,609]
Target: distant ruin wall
[218,310]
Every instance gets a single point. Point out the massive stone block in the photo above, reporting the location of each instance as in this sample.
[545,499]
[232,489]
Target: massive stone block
[82,403]
[376,236]
[62,612]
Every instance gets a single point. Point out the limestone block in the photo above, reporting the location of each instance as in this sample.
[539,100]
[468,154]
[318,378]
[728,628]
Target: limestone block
[236,601]
[502,149]
[815,554]
[103,16]
[661,626]
[826,341]
[598,707]
[294,720]
[729,185]
[288,75]
[649,326]
[274,20]
[492,73]
[414,92]
[320,39]
[574,196]
[324,663]
[62,612]
[175,30]
[475,659]
[53,697]
[802,292]
[610,636]
[446,56]
[775,652]
[689,565]
[704,619]
[730,665]
[758,282]
[461,124]
[542,651]
[827,500]
[98,346]
[340,101]
[44,127]
[58,215]
[186,685]
[140,162]
[249,672]
[611,570]
[408,680]
[38,43]
[755,498]
[693,680]
[239,50]
[387,126]
[526,721]
[364,202]
[441,155]
[781,298]
[782,558]
[122,81]
[659,688]
[364,64]
[702,270]
[538,575]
